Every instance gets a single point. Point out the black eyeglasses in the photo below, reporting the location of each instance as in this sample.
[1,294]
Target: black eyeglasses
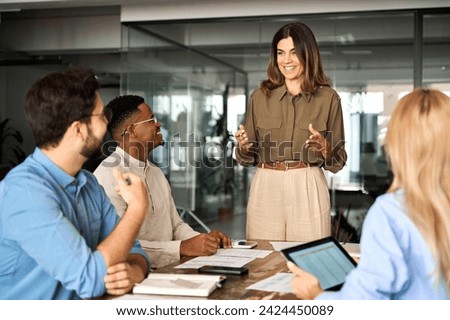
[106,114]
[140,122]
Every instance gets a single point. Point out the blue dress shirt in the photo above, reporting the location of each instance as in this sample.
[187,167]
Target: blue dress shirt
[50,226]
[396,262]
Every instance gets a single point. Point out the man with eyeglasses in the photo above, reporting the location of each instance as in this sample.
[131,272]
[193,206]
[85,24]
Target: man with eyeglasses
[60,236]
[163,235]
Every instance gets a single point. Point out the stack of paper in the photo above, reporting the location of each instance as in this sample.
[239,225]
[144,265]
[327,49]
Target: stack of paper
[179,284]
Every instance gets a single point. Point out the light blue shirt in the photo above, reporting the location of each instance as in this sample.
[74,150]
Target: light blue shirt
[396,262]
[50,226]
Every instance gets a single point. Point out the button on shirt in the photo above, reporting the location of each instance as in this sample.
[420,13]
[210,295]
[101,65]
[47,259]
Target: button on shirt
[278,127]
[50,226]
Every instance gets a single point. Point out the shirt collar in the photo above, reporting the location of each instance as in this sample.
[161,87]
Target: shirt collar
[281,91]
[129,161]
[61,177]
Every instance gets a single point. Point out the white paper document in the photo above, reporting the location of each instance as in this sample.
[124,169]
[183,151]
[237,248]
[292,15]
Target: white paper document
[353,249]
[280,282]
[215,260]
[253,253]
[278,246]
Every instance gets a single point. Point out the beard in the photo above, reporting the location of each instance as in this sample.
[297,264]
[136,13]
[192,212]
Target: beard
[92,148]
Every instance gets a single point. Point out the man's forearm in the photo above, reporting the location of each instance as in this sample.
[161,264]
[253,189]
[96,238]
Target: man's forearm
[140,264]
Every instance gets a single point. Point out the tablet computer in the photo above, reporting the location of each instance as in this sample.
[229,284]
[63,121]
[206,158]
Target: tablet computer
[325,258]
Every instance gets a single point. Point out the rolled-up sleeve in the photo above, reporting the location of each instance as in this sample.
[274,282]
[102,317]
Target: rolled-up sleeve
[111,219]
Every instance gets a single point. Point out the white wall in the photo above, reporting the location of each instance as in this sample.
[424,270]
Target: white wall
[61,33]
[200,9]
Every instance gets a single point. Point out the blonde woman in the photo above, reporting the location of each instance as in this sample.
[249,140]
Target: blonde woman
[406,235]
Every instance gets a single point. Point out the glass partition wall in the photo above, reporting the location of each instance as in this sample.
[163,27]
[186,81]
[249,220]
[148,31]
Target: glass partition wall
[193,96]
[197,76]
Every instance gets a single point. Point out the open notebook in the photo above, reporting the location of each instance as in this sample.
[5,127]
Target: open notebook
[179,284]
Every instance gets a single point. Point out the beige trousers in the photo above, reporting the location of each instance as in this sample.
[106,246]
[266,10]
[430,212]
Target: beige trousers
[291,205]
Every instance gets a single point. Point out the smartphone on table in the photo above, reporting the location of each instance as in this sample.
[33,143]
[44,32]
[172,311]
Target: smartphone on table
[244,244]
[223,270]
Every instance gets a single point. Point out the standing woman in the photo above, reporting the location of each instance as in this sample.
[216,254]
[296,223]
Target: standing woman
[293,130]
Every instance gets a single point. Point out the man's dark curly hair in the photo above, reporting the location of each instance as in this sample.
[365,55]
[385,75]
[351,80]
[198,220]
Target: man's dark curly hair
[123,108]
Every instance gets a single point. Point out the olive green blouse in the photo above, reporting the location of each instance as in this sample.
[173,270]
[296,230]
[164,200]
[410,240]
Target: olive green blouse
[278,127]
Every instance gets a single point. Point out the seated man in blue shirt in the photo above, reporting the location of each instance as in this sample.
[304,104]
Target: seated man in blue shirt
[60,236]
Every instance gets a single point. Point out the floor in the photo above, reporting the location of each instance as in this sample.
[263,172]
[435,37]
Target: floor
[219,214]
[226,213]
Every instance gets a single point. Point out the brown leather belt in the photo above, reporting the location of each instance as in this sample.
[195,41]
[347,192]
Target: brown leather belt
[286,165]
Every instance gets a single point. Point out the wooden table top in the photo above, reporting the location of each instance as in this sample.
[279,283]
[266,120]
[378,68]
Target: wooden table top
[234,288]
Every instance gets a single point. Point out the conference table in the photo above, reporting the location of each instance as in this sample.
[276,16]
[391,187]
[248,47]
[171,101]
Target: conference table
[235,286]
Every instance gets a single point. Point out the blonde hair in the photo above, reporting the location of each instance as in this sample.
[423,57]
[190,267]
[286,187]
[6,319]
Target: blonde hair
[418,147]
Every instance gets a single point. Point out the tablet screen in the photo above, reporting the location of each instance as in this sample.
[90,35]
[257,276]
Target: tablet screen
[324,258]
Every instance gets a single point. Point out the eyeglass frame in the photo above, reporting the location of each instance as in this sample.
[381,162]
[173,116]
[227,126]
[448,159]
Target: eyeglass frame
[106,114]
[140,122]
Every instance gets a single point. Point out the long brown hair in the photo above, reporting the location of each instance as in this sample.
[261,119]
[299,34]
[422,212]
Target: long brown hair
[307,51]
[419,153]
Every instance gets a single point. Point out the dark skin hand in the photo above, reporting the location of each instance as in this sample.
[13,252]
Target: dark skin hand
[204,244]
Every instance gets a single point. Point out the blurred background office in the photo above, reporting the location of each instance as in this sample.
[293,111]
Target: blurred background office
[197,61]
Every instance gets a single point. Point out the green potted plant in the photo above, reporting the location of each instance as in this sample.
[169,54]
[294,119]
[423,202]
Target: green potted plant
[11,152]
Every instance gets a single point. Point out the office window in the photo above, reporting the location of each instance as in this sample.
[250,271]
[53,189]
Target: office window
[368,56]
